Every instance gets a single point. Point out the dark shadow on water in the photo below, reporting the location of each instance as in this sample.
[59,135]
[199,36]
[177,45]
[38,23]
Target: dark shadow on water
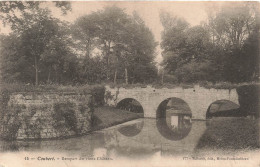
[131,130]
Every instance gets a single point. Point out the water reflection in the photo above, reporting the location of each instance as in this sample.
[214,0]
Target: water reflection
[132,130]
[174,119]
[135,139]
[176,127]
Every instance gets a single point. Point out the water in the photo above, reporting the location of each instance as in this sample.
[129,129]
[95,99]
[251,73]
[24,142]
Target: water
[137,139]
[140,137]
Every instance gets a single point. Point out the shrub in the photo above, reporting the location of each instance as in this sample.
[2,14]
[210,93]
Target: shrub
[98,94]
[64,116]
[11,122]
[248,96]
[4,98]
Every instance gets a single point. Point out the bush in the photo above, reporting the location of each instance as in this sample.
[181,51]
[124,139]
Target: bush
[64,116]
[248,96]
[98,95]
[11,122]
[170,79]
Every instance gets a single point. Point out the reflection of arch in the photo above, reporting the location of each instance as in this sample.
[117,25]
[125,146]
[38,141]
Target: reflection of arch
[223,108]
[132,130]
[173,118]
[130,104]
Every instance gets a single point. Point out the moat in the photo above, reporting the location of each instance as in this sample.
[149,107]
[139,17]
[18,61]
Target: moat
[143,137]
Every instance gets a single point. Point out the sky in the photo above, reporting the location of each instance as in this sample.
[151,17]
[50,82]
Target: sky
[193,12]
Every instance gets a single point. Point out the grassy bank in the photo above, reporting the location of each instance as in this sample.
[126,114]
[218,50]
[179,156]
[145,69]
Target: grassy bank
[230,134]
[108,116]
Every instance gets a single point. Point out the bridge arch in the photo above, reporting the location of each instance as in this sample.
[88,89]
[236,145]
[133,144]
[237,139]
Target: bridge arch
[223,108]
[174,118]
[174,103]
[130,104]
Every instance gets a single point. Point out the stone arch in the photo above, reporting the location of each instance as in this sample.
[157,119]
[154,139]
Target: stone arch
[127,101]
[223,107]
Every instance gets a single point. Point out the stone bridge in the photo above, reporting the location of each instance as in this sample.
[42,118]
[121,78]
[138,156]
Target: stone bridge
[198,98]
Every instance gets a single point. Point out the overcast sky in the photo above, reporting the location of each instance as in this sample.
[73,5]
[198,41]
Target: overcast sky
[193,12]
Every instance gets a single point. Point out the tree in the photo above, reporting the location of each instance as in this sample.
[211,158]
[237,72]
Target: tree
[217,51]
[233,27]
[185,49]
[122,40]
[35,31]
[14,12]
[102,45]
[14,66]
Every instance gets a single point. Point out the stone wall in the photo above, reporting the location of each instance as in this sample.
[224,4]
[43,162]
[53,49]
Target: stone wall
[47,115]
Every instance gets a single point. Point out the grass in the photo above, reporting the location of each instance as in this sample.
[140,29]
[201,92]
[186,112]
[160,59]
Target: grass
[108,116]
[230,134]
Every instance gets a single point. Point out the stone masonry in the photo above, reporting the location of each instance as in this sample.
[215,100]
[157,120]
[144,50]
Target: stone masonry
[34,115]
[198,98]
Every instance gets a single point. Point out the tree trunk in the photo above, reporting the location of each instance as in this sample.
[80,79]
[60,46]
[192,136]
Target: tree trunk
[56,74]
[162,76]
[115,76]
[107,72]
[36,71]
[107,55]
[49,75]
[126,76]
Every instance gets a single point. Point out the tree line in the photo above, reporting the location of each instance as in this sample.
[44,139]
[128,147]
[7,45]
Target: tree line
[104,46]
[110,45]
[224,48]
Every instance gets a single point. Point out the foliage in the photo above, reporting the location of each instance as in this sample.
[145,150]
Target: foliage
[123,42]
[10,122]
[64,116]
[102,46]
[110,45]
[98,93]
[10,131]
[37,44]
[249,99]
[39,53]
[224,49]
[14,12]
[108,96]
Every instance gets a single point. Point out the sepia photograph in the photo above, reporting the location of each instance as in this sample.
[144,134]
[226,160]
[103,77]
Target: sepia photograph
[129,83]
